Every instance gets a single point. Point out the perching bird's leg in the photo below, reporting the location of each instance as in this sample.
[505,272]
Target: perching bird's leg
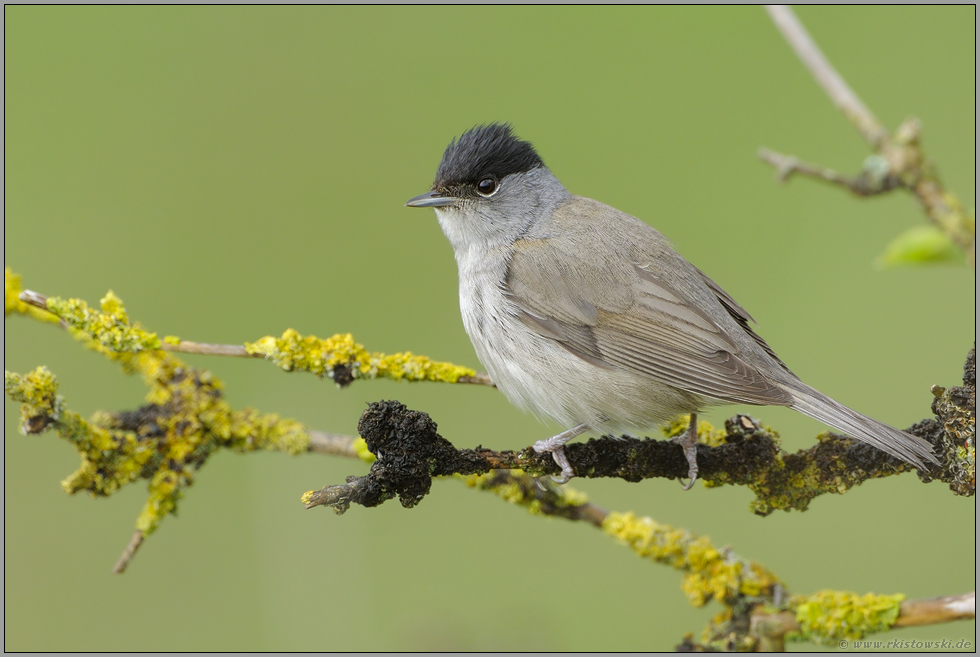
[688,442]
[556,445]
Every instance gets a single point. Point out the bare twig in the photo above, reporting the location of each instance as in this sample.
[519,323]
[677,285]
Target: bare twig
[332,443]
[827,76]
[480,378]
[129,552]
[867,183]
[929,611]
[900,160]
[33,298]
[208,349]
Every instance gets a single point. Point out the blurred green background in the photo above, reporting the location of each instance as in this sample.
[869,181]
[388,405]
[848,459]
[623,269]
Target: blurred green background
[231,172]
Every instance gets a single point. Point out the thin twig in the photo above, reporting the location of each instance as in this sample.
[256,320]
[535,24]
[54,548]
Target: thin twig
[320,443]
[787,165]
[827,76]
[32,298]
[480,378]
[900,160]
[335,444]
[863,184]
[129,552]
[239,351]
[209,349]
[929,611]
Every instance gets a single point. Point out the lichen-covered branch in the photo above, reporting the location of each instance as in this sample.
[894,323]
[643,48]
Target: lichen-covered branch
[758,614]
[539,496]
[899,162]
[826,617]
[166,441]
[344,360]
[12,303]
[410,452]
[185,420]
[338,357]
[175,344]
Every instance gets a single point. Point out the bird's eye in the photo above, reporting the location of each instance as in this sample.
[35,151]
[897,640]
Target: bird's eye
[486,187]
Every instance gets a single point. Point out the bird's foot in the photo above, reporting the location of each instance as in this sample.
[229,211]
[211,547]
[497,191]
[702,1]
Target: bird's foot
[556,445]
[558,453]
[688,442]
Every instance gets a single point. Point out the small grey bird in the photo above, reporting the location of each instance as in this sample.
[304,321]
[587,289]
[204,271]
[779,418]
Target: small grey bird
[586,315]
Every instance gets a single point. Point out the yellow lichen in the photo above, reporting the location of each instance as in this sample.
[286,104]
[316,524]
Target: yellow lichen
[363,453]
[38,394]
[165,489]
[250,430]
[166,446]
[189,417]
[707,433]
[518,488]
[710,573]
[12,302]
[109,459]
[293,351]
[110,328]
[829,616]
[165,442]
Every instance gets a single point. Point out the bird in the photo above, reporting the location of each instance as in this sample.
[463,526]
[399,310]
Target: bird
[587,315]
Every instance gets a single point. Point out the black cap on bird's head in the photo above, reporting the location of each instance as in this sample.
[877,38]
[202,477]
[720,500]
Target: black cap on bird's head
[478,161]
[486,150]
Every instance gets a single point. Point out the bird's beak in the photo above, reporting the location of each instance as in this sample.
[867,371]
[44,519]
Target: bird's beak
[430,200]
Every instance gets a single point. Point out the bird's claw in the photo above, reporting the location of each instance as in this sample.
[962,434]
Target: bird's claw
[555,445]
[557,453]
[689,442]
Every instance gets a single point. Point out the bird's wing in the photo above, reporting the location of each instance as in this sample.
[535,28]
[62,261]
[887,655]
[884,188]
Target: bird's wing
[740,315]
[609,307]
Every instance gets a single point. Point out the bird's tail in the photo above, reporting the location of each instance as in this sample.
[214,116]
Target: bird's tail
[899,444]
